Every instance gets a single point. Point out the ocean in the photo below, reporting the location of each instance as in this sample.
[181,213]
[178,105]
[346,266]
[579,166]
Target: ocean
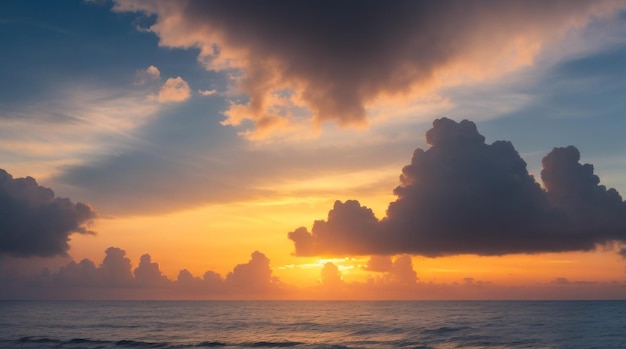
[313,324]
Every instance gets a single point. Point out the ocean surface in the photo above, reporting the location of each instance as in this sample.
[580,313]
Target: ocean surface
[313,324]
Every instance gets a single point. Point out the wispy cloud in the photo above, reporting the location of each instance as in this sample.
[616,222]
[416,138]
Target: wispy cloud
[83,122]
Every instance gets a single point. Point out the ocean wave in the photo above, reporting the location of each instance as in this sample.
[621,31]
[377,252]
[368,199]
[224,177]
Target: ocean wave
[140,344]
[37,340]
[82,342]
[41,342]
[444,330]
[264,344]
[210,344]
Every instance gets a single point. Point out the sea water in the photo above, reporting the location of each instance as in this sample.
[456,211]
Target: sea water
[313,324]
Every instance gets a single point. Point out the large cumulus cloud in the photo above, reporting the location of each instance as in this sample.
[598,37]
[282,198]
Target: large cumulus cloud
[465,196]
[338,57]
[33,222]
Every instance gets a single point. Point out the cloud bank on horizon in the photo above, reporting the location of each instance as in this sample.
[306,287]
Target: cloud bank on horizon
[115,278]
[463,196]
[318,61]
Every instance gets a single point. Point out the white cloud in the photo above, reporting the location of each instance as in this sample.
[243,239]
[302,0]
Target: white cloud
[207,92]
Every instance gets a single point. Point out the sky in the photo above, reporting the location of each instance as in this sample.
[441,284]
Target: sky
[312,149]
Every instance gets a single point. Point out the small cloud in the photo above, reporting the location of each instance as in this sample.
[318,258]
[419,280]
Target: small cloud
[207,92]
[151,73]
[174,90]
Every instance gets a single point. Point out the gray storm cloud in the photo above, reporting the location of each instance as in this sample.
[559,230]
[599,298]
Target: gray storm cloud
[339,57]
[34,222]
[463,196]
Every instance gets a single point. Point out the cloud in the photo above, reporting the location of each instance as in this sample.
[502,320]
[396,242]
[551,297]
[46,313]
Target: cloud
[166,172]
[338,58]
[115,269]
[73,126]
[115,278]
[463,196]
[399,272]
[210,282]
[575,189]
[151,73]
[402,271]
[148,272]
[174,90]
[34,222]
[349,227]
[207,92]
[331,276]
[254,276]
[379,264]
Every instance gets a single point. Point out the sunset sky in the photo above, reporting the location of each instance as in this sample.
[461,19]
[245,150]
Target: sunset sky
[313,149]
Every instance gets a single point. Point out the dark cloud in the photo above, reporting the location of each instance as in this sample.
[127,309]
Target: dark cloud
[80,274]
[338,57]
[349,227]
[148,273]
[254,276]
[115,269]
[463,196]
[33,222]
[575,189]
